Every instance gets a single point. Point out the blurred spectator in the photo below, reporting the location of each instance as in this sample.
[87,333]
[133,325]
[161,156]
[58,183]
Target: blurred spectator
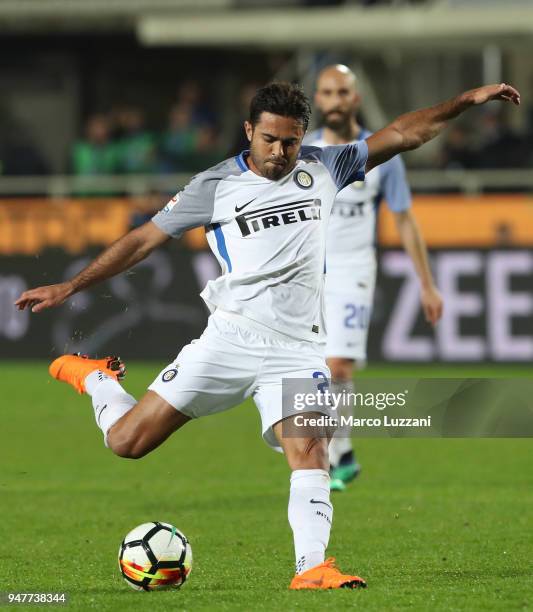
[136,148]
[96,154]
[457,151]
[500,146]
[494,145]
[180,139]
[240,141]
[191,140]
[190,94]
[208,148]
[18,154]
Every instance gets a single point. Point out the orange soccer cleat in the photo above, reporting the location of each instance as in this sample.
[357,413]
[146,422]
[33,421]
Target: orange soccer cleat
[73,369]
[326,576]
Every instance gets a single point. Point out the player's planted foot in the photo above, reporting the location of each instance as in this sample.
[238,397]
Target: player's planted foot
[336,484]
[347,469]
[346,473]
[326,576]
[74,369]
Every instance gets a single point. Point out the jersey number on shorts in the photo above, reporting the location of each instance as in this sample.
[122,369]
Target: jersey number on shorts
[356,316]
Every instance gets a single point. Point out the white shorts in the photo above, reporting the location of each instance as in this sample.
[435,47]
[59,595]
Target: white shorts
[232,360]
[348,308]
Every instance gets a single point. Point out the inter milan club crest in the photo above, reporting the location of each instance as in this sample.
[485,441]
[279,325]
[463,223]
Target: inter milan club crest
[169,375]
[303,179]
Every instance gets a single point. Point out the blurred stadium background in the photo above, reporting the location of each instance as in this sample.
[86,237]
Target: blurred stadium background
[108,107]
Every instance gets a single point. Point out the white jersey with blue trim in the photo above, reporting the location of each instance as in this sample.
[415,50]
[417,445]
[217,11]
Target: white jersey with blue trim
[352,228]
[268,236]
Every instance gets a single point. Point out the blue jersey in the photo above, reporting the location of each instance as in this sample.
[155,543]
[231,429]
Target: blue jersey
[352,227]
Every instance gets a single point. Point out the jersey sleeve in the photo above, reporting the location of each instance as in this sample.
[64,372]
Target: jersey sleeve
[345,163]
[191,207]
[395,187]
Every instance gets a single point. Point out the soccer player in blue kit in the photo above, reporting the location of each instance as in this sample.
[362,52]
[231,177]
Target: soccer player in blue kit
[265,213]
[350,251]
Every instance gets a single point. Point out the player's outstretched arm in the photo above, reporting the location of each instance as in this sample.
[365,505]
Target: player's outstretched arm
[414,244]
[412,130]
[121,255]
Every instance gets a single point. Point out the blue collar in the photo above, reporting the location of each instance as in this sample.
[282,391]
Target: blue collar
[241,160]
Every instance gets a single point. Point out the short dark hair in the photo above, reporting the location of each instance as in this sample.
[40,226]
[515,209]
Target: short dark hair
[284,99]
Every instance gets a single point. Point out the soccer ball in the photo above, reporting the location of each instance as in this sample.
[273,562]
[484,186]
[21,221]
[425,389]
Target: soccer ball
[155,556]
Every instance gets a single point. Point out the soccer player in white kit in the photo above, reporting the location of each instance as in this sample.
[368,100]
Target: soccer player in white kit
[266,214]
[350,251]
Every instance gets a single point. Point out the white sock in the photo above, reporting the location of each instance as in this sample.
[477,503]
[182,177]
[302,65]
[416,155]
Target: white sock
[310,517]
[110,401]
[341,443]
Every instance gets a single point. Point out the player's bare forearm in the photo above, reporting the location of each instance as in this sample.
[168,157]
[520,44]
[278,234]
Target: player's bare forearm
[414,245]
[412,130]
[121,255]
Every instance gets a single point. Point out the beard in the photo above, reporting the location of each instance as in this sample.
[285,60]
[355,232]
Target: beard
[271,171]
[337,120]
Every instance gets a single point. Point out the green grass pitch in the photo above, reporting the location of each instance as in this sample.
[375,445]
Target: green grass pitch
[431,524]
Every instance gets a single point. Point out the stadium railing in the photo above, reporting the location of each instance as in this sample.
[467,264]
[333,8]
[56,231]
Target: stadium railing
[462,181]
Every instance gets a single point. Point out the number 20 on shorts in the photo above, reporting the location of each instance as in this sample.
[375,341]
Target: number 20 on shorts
[356,316]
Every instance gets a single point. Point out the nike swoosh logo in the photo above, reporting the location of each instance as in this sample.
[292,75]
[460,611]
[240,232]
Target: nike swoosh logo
[100,413]
[317,501]
[237,209]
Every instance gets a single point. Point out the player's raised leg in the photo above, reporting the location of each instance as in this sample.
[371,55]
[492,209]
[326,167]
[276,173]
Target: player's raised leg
[311,512]
[145,427]
[212,374]
[131,429]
